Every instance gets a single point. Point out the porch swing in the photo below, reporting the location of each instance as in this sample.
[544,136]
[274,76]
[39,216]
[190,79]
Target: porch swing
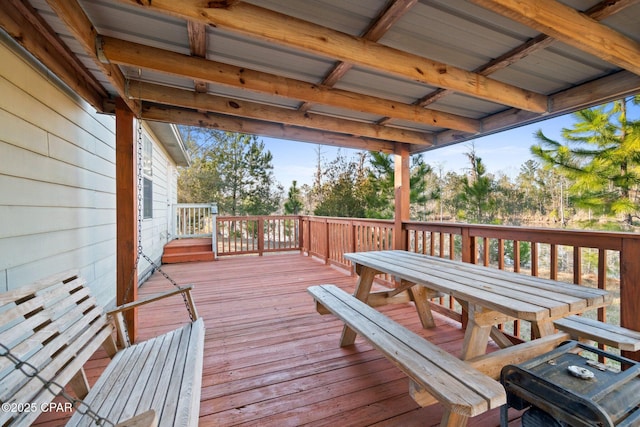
[52,327]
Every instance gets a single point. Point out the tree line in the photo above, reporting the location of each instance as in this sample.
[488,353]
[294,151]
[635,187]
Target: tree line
[589,179]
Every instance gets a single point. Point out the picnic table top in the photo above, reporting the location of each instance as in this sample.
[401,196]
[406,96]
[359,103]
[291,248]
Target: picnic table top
[513,294]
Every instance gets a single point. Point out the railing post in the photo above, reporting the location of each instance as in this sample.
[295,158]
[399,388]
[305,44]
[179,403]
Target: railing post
[630,288]
[469,249]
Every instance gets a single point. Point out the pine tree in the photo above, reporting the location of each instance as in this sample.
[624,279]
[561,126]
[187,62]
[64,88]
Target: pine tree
[293,204]
[234,170]
[600,158]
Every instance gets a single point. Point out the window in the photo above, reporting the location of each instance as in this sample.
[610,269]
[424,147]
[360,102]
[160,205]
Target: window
[147,171]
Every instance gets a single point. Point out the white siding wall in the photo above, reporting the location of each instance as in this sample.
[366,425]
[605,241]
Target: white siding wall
[155,230]
[57,183]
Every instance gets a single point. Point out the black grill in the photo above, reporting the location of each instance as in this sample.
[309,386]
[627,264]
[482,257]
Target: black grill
[608,398]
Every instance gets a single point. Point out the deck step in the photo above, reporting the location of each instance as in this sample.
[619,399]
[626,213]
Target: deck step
[188,257]
[171,250]
[187,250]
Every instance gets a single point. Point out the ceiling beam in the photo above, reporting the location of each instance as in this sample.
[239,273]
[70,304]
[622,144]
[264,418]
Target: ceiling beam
[136,55]
[395,10]
[596,92]
[571,27]
[598,12]
[218,104]
[275,27]
[70,12]
[28,29]
[263,129]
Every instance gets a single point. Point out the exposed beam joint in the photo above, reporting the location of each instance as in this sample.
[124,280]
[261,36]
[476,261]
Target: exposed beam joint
[218,104]
[596,92]
[395,10]
[285,30]
[132,54]
[198,47]
[571,27]
[70,12]
[265,129]
[598,12]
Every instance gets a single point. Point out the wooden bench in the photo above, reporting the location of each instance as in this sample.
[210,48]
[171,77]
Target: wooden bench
[55,326]
[580,327]
[435,375]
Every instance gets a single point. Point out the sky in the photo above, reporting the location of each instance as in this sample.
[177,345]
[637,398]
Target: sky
[502,152]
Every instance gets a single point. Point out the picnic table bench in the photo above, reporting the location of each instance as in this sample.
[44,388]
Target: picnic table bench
[49,329]
[435,375]
[583,328]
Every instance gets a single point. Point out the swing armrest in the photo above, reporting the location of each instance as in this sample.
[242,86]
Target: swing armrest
[116,313]
[182,289]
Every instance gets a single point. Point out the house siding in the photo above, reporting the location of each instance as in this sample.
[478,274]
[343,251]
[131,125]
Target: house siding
[57,182]
[156,231]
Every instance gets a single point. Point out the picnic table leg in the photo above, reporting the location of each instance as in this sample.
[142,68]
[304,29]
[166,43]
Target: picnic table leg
[476,337]
[363,288]
[542,328]
[453,419]
[420,296]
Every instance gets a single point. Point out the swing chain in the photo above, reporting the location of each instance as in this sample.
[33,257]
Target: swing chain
[53,387]
[140,253]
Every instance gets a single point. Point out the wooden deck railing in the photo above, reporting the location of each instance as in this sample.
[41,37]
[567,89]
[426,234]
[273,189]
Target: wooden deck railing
[192,220]
[237,235]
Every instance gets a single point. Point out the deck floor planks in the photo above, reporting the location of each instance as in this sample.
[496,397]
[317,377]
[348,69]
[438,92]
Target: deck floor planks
[271,360]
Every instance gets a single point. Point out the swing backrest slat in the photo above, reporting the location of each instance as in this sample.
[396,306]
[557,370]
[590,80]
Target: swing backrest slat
[55,326]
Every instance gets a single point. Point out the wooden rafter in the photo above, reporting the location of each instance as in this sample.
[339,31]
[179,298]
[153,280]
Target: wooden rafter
[78,23]
[257,127]
[198,47]
[395,10]
[275,27]
[25,26]
[128,53]
[218,104]
[596,92]
[598,12]
[571,27]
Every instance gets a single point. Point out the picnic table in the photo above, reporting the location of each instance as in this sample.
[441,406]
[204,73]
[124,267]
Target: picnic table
[489,296]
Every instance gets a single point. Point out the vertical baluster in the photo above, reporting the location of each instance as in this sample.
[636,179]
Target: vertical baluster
[534,259]
[452,246]
[433,250]
[553,262]
[516,256]
[602,280]
[501,254]
[485,242]
[577,265]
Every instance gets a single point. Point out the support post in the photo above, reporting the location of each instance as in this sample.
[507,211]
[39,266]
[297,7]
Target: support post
[630,288]
[402,193]
[126,214]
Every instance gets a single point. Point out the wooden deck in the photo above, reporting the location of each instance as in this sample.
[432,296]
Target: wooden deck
[272,360]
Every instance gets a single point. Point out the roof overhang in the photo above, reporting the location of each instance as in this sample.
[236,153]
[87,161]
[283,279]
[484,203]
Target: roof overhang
[366,74]
[169,136]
